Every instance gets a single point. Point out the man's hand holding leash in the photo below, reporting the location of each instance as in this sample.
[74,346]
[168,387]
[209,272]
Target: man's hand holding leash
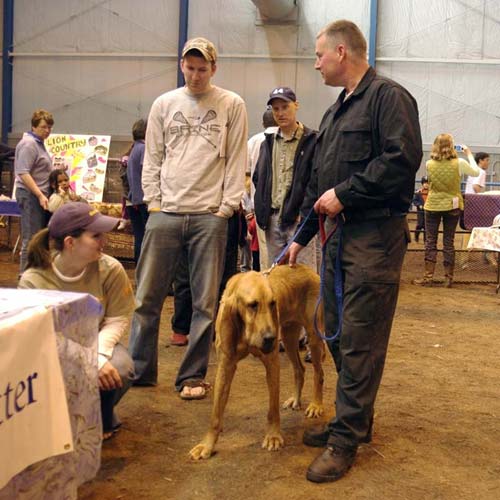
[328,204]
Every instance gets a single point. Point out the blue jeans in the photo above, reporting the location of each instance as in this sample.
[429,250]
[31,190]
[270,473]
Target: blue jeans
[33,218]
[203,237]
[183,310]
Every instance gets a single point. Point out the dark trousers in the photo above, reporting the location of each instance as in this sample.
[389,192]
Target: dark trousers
[123,363]
[420,224]
[256,260]
[372,257]
[138,215]
[432,220]
[183,306]
[231,262]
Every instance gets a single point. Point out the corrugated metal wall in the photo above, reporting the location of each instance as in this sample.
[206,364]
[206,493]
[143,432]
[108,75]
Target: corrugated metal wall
[98,64]
[106,92]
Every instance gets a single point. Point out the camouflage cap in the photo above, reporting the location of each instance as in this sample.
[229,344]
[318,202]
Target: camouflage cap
[202,45]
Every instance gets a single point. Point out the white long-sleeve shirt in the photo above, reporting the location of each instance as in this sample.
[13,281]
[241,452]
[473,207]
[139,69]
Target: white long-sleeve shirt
[254,144]
[196,152]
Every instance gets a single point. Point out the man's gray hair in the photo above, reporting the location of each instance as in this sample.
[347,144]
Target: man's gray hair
[347,32]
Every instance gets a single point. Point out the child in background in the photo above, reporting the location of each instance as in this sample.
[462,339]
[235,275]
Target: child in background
[419,201]
[254,242]
[60,190]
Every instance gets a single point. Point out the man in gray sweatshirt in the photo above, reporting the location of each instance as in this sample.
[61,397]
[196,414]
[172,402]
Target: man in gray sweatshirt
[193,181]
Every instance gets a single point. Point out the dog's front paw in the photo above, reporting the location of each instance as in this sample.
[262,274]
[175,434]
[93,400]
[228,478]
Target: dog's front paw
[201,450]
[314,410]
[273,441]
[292,403]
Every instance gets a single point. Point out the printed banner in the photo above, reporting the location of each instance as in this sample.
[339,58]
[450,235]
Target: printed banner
[34,419]
[85,158]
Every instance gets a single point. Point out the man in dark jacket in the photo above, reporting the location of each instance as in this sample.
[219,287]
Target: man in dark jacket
[281,176]
[368,151]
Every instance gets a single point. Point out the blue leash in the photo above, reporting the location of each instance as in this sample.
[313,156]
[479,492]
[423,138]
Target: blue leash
[297,232]
[339,288]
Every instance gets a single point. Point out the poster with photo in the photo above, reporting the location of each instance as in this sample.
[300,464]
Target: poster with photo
[84,158]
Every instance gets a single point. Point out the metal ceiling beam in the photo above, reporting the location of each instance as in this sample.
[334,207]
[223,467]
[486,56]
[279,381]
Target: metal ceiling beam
[183,36]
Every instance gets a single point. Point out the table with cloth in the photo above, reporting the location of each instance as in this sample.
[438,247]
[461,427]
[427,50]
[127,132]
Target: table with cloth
[9,208]
[75,326]
[488,239]
[480,209]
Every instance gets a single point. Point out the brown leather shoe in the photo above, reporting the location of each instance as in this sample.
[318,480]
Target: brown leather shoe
[316,436]
[331,465]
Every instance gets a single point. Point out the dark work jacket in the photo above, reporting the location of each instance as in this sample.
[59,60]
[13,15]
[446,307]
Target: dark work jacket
[369,149]
[263,179]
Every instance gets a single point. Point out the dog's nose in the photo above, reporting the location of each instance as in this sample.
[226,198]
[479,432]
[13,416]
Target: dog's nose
[268,343]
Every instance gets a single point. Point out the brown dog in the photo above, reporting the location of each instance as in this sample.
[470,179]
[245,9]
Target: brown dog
[255,310]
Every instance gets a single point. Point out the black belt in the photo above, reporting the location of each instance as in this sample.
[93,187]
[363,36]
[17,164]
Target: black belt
[371,214]
[274,211]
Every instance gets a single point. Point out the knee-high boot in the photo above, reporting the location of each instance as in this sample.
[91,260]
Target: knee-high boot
[428,274]
[448,275]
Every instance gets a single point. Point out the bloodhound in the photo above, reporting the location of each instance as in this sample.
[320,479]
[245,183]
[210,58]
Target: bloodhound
[255,311]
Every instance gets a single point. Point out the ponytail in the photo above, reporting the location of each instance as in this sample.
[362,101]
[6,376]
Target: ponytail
[38,250]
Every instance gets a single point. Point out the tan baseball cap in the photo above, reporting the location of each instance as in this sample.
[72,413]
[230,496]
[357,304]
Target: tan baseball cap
[202,45]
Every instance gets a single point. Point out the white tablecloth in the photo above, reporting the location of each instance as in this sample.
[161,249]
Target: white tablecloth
[485,238]
[76,319]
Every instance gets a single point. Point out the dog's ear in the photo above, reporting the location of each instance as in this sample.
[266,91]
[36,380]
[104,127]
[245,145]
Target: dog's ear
[228,323]
[278,297]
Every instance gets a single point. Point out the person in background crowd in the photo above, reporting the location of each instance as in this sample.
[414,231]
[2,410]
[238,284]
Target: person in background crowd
[247,214]
[183,305]
[281,175]
[6,154]
[32,167]
[418,201]
[124,220]
[60,190]
[477,184]
[77,264]
[368,151]
[254,144]
[254,243]
[444,203]
[193,180]
[137,210]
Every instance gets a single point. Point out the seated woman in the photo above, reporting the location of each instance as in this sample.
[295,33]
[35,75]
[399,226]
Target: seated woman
[74,262]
